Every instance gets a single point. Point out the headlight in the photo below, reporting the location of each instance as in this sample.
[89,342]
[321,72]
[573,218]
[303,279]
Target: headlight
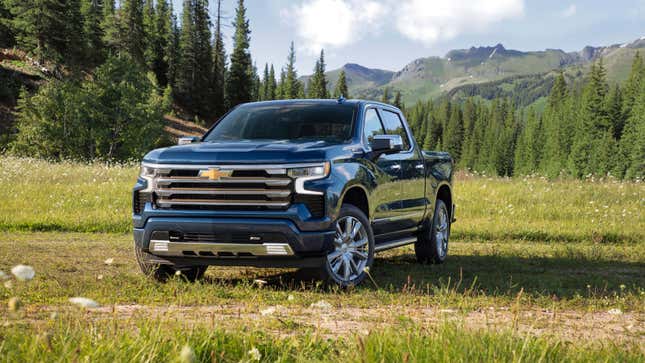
[301,175]
[146,171]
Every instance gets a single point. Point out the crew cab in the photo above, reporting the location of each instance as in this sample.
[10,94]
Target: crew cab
[318,184]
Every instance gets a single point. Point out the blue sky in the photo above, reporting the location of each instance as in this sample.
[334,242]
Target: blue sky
[388,34]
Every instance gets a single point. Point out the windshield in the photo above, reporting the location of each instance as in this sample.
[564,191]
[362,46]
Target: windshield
[287,121]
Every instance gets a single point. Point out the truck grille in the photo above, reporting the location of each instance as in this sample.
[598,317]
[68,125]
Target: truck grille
[234,188]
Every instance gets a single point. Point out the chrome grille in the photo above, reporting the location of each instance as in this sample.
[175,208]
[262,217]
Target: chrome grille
[240,187]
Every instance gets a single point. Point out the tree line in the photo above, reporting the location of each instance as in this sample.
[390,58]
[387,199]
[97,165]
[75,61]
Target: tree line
[598,130]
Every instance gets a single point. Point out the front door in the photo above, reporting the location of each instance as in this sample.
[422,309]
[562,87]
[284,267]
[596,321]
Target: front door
[387,170]
[412,173]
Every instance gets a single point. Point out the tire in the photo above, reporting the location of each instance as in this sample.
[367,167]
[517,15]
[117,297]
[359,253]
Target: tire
[353,250]
[432,243]
[162,273]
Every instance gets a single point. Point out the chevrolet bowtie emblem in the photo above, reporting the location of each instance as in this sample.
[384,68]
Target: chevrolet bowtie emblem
[215,173]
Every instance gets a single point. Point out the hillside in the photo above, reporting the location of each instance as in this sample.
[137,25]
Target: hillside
[497,69]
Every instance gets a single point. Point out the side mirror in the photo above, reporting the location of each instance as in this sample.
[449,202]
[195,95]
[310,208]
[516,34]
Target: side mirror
[187,140]
[387,144]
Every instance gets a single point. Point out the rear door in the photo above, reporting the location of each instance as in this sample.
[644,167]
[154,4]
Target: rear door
[412,174]
[387,170]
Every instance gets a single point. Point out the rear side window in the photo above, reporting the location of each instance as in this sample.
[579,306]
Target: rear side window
[372,125]
[394,126]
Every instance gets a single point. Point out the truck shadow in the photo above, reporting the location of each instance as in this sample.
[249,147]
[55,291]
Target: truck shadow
[491,275]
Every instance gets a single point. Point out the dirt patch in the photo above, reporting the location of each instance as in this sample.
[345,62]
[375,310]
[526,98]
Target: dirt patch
[573,326]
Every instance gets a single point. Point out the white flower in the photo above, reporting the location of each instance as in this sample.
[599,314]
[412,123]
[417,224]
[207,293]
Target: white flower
[255,354]
[259,282]
[268,311]
[23,273]
[84,302]
[3,276]
[109,261]
[290,297]
[322,304]
[178,273]
[187,355]
[615,312]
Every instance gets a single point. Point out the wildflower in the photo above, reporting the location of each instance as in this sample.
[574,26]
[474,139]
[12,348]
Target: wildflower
[622,286]
[23,273]
[615,312]
[187,355]
[14,304]
[259,282]
[109,261]
[322,304]
[84,302]
[255,354]
[99,277]
[178,273]
[290,297]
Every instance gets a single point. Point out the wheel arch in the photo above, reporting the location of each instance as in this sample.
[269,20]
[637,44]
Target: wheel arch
[357,196]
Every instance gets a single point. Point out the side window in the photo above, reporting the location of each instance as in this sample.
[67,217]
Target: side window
[394,126]
[372,125]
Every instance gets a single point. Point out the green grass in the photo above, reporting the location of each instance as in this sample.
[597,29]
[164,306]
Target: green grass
[534,268]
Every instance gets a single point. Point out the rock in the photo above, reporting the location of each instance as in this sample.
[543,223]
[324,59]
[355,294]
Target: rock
[322,304]
[84,302]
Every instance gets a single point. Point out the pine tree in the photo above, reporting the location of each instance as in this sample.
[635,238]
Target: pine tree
[633,85]
[555,123]
[186,67]
[111,27]
[271,85]
[592,126]
[133,37]
[264,86]
[161,41]
[219,66]
[318,82]
[614,106]
[149,32]
[202,91]
[291,87]
[7,36]
[51,29]
[385,98]
[454,133]
[397,100]
[632,144]
[528,149]
[239,83]
[341,86]
[280,92]
[172,52]
[92,12]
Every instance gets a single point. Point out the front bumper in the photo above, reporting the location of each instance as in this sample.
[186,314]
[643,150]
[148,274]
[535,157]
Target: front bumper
[261,242]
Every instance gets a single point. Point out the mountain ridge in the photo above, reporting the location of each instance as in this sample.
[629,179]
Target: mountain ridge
[430,77]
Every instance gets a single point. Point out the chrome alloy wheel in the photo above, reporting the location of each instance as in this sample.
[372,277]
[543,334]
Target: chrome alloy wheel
[441,232]
[351,250]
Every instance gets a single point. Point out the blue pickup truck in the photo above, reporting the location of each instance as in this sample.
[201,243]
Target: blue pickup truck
[317,184]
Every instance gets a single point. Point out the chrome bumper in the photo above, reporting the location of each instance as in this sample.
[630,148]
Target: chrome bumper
[194,249]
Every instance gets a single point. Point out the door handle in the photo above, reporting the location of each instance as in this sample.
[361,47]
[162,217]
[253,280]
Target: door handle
[419,166]
[395,167]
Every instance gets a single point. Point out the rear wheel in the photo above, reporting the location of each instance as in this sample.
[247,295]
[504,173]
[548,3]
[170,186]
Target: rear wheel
[161,272]
[432,243]
[353,251]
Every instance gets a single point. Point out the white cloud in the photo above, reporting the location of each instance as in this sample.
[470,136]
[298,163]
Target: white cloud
[333,23]
[338,23]
[429,21]
[569,11]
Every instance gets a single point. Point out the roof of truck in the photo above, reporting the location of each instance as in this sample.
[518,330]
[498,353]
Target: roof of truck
[322,101]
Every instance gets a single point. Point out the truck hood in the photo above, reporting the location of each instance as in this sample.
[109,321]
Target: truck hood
[242,152]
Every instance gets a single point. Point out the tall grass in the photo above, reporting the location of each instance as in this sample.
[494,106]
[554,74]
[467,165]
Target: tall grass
[67,196]
[101,341]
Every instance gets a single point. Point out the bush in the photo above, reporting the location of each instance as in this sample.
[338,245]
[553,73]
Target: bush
[116,116]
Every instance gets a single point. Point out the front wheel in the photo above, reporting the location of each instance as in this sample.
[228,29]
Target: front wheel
[353,250]
[162,272]
[432,243]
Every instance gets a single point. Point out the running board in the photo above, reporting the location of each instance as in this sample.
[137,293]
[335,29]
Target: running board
[396,243]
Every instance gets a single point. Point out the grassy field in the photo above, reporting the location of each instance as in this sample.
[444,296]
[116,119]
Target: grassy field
[538,271]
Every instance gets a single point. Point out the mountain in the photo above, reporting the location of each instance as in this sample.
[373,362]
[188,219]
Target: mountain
[359,78]
[493,69]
